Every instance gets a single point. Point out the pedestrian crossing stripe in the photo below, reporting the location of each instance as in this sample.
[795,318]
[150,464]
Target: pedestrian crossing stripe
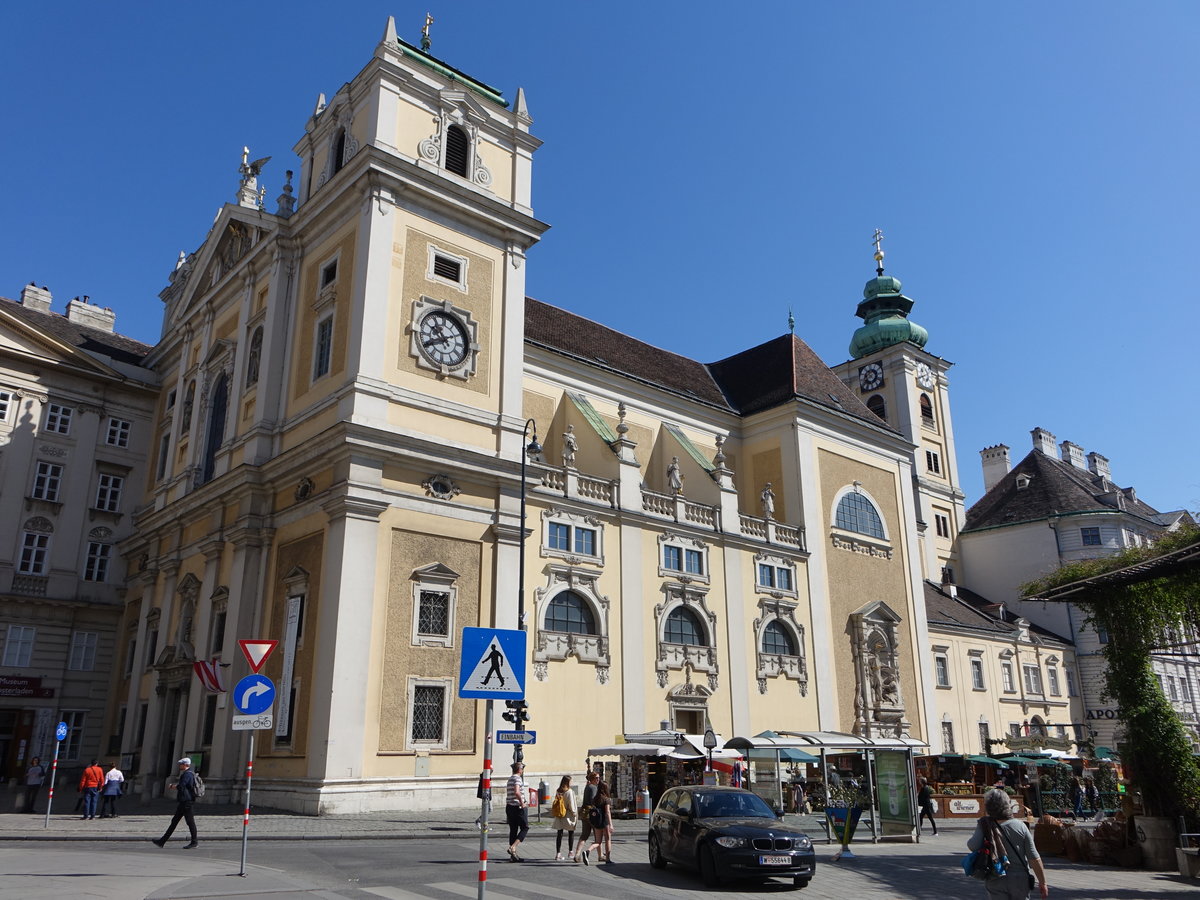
[492,665]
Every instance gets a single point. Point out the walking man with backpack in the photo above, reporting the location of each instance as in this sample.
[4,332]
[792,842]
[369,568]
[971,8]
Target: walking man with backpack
[187,790]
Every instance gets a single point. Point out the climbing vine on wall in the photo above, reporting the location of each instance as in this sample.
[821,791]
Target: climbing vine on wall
[1143,613]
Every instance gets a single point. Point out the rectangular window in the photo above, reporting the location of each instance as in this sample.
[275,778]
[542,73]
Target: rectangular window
[985,737]
[151,648]
[58,419]
[977,674]
[943,525]
[1006,675]
[74,740]
[218,632]
[210,720]
[1102,634]
[329,274]
[1014,729]
[108,492]
[784,576]
[444,267]
[1172,691]
[6,404]
[693,562]
[1185,688]
[164,453]
[941,666]
[428,725]
[766,575]
[323,352]
[770,576]
[1033,679]
[47,481]
[1072,690]
[34,550]
[947,737]
[140,735]
[118,433]
[83,651]
[96,566]
[585,541]
[1052,679]
[933,462]
[18,648]
[433,617]
[673,558]
[1090,536]
[558,536]
[130,656]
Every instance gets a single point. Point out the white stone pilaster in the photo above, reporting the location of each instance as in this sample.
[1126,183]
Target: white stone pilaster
[824,640]
[637,672]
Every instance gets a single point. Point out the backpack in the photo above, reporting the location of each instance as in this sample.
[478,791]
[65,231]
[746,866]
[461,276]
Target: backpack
[558,808]
[198,785]
[596,817]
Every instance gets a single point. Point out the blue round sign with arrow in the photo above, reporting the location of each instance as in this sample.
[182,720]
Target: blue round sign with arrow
[254,694]
[60,733]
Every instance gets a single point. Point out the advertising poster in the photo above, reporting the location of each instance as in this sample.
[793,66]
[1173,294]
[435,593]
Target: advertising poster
[895,792]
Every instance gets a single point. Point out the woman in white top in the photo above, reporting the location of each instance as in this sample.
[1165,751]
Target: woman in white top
[566,822]
[114,784]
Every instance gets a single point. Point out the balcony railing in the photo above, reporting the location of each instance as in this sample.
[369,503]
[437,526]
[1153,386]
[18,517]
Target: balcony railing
[30,585]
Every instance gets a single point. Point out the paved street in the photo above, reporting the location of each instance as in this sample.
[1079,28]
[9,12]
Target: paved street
[433,856]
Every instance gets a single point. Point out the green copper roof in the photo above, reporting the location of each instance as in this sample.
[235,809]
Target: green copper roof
[885,310]
[448,71]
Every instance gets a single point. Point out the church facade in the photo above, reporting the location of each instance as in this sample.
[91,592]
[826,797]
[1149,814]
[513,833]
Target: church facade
[351,389]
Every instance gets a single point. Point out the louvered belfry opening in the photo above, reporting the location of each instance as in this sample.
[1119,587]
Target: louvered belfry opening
[457,150]
[449,269]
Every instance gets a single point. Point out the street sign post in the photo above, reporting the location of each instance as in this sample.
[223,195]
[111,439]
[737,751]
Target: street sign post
[516,737]
[253,697]
[60,735]
[252,723]
[254,694]
[256,652]
[492,666]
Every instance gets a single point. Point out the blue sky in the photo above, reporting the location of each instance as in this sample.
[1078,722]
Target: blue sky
[706,166]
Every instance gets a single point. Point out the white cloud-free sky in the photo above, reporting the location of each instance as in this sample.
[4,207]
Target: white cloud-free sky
[706,167]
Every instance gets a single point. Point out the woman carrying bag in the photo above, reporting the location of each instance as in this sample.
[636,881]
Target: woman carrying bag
[566,815]
[1011,839]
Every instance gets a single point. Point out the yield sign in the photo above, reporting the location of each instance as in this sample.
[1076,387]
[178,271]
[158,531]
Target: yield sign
[257,652]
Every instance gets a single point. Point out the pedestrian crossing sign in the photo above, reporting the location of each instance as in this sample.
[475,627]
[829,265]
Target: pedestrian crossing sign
[492,666]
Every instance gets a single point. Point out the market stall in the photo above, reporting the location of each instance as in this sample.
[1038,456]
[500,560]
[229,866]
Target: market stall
[658,760]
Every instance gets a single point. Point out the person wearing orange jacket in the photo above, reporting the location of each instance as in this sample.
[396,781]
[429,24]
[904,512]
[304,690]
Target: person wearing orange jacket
[89,786]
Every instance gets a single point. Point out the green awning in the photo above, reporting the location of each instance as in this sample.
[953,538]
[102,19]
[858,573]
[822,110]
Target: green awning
[987,760]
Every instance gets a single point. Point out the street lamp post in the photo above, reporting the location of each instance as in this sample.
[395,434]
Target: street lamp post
[532,448]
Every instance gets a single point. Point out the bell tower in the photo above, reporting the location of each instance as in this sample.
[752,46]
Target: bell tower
[907,388]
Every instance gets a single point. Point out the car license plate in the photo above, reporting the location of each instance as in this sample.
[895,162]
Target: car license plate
[774,860]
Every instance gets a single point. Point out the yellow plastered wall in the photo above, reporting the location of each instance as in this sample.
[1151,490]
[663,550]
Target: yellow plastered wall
[305,391]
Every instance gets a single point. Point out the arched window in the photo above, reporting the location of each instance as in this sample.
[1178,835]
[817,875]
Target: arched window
[876,405]
[856,513]
[570,613]
[683,627]
[777,641]
[458,150]
[339,151]
[926,410]
[216,428]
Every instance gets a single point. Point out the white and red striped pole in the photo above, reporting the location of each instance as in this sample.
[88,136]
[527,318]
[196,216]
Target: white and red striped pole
[487,799]
[246,814]
[53,772]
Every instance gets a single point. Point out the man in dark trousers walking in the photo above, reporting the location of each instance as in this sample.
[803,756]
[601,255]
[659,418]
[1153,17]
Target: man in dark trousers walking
[185,795]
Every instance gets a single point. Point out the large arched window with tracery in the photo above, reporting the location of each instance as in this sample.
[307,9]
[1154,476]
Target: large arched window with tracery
[683,627]
[857,513]
[777,641]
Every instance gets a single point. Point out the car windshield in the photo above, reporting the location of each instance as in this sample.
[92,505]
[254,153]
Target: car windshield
[731,805]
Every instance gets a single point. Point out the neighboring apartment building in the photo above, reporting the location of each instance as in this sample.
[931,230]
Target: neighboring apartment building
[1056,506]
[346,388]
[996,675]
[76,405]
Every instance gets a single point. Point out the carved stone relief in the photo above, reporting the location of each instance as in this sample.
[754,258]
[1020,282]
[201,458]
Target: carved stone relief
[879,709]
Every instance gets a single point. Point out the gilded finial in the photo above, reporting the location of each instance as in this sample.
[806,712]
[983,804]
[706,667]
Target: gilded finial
[425,43]
[791,321]
[877,240]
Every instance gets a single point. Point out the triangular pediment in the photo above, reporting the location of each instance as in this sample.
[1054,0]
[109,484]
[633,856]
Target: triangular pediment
[465,102]
[435,572]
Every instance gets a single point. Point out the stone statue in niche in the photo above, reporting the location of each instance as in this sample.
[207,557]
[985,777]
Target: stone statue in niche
[674,476]
[768,502]
[879,703]
[570,447]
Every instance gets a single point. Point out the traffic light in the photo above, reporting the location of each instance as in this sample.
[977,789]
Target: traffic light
[517,713]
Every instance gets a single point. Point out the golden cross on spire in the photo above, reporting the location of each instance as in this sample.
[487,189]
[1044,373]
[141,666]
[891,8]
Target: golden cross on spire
[877,240]
[425,31]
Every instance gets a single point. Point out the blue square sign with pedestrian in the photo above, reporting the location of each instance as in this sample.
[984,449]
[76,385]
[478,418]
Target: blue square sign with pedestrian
[492,666]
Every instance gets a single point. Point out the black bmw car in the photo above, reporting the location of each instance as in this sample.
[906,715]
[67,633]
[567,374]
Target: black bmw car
[727,833]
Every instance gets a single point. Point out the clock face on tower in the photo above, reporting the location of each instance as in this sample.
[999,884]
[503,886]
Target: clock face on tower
[870,376]
[924,376]
[443,339]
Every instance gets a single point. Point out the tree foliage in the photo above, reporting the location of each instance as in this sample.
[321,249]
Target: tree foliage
[1141,614]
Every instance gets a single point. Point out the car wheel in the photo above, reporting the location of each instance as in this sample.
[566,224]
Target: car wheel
[800,883]
[708,868]
[656,858]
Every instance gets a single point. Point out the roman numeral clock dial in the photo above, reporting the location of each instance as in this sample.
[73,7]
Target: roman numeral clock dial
[443,339]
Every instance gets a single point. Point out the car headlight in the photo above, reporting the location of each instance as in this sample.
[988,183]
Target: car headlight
[731,841]
[803,843]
